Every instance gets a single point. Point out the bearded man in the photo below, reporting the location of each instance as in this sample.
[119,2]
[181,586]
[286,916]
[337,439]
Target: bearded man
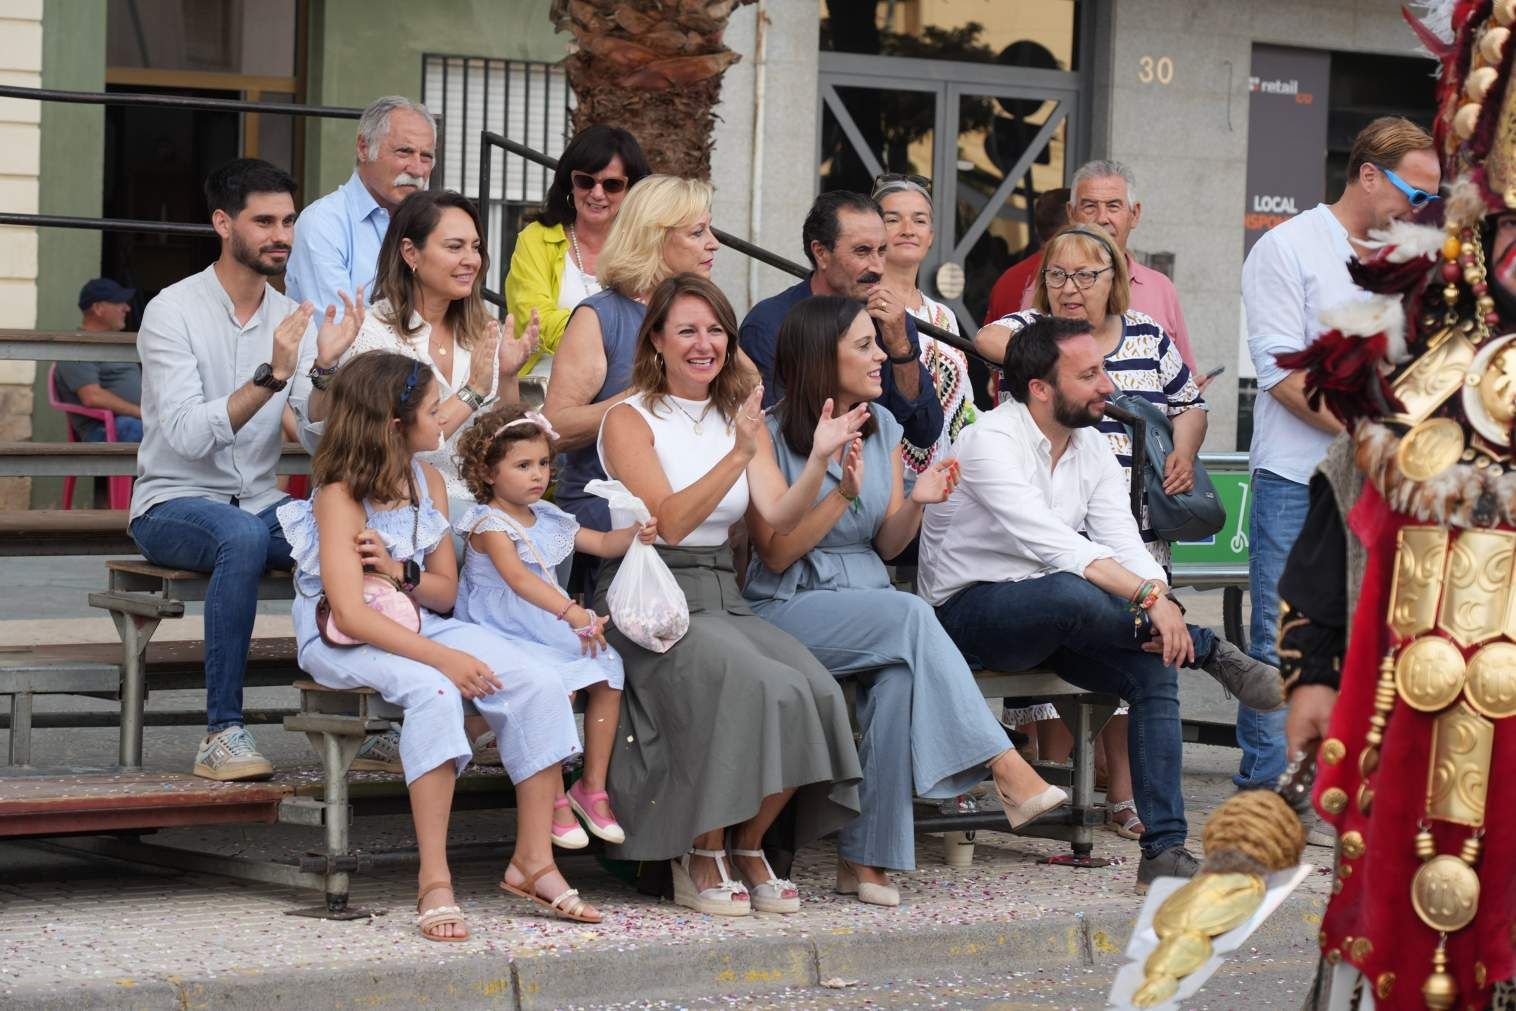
[218,351]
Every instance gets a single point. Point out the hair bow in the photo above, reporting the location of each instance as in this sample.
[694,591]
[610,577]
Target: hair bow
[533,418]
[410,384]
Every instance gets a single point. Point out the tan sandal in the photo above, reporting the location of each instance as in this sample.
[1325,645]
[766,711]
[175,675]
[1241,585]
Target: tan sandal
[567,905]
[1123,826]
[428,920]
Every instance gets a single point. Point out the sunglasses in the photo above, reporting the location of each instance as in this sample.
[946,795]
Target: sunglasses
[1418,198]
[891,178]
[586,182]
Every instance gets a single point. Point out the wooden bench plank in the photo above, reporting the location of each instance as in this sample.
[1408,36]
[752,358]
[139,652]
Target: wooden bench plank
[104,459]
[68,345]
[32,532]
[52,802]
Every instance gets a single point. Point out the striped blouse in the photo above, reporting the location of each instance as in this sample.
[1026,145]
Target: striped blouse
[1145,363]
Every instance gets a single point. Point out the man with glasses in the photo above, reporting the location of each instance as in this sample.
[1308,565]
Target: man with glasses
[337,238]
[1292,274]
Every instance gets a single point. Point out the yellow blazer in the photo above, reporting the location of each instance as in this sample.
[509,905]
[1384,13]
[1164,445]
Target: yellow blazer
[532,283]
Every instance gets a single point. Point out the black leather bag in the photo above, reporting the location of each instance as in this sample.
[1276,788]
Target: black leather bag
[1191,516]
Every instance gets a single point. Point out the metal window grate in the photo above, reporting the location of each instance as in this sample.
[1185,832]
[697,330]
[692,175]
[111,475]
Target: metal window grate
[527,101]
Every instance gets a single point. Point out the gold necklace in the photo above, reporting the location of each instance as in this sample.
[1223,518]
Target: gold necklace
[699,428]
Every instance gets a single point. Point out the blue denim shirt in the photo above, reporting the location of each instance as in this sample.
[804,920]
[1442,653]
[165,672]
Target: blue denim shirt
[759,337]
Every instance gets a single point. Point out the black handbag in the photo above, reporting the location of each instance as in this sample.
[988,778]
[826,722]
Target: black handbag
[1189,516]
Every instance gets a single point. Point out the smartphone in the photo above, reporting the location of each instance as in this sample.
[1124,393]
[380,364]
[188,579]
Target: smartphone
[1218,370]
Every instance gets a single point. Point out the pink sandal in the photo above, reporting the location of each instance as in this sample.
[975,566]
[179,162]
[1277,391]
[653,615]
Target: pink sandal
[605,828]
[570,836]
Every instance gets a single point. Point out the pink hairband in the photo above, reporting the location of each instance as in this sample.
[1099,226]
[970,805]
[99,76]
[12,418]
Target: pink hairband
[533,418]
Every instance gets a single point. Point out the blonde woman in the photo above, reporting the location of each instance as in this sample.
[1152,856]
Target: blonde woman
[662,229]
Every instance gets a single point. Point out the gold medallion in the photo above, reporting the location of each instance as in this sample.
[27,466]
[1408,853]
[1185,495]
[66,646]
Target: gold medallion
[1352,845]
[1429,674]
[1491,680]
[1445,893]
[1334,800]
[1332,751]
[1489,392]
[1430,448]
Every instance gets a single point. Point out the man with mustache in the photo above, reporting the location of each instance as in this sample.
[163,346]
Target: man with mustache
[218,351]
[1037,560]
[338,237]
[843,236]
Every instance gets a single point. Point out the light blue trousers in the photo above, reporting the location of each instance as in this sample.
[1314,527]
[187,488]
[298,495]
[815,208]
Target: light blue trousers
[926,729]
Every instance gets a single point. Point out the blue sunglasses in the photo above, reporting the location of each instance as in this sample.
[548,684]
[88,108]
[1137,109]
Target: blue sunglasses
[1418,198]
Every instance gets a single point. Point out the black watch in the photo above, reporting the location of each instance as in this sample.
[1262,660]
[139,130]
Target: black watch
[263,376]
[410,576]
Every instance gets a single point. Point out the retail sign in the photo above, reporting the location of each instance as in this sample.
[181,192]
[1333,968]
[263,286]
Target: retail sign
[1287,148]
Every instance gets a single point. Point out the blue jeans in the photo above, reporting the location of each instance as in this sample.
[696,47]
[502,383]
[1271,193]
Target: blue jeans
[235,547]
[1279,510]
[1085,634]
[128,429]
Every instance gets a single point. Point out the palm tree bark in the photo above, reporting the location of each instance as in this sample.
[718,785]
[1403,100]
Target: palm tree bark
[652,67]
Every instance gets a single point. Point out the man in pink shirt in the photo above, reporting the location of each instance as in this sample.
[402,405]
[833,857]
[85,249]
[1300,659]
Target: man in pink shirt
[1104,193]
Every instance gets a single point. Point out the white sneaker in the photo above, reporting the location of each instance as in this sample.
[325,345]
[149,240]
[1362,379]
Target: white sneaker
[231,755]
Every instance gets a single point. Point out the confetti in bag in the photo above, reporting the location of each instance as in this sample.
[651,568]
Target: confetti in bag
[645,602]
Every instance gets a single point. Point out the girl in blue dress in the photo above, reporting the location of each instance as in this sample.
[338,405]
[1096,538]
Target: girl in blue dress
[373,513]
[515,543]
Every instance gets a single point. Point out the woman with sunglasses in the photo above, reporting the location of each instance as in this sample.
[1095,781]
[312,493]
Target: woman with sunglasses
[553,266]
[1084,276]
[906,203]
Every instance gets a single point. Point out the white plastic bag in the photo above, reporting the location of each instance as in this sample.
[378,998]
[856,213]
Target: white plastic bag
[645,602]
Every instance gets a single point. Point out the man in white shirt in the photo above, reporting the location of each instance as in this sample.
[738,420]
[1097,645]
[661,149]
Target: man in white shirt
[337,238]
[218,351]
[1017,585]
[1293,273]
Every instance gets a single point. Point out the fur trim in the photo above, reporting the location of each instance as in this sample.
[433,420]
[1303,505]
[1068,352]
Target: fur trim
[1466,202]
[1381,314]
[1460,496]
[1404,241]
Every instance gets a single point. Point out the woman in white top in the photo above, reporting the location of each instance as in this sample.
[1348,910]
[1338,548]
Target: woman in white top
[907,207]
[427,306]
[737,719]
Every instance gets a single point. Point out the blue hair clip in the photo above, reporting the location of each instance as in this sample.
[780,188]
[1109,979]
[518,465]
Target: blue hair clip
[410,384]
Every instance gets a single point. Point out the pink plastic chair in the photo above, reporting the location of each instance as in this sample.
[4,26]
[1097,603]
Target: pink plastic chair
[120,487]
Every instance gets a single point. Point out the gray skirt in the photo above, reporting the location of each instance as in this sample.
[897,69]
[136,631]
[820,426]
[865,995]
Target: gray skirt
[736,711]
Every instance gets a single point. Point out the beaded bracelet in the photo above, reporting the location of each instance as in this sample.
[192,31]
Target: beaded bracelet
[565,609]
[591,630]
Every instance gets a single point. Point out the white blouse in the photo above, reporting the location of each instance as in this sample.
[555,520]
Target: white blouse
[377,335]
[686,456]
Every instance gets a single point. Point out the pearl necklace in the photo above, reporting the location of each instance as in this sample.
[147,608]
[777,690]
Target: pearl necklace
[588,280]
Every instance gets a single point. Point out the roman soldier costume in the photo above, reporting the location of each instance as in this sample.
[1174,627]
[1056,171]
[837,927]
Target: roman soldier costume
[1401,590]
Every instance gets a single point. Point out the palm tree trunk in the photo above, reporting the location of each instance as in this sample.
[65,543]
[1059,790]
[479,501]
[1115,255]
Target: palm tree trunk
[652,67]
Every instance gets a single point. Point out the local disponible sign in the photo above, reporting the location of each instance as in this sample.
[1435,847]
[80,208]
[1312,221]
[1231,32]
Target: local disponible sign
[1287,147]
[1287,137]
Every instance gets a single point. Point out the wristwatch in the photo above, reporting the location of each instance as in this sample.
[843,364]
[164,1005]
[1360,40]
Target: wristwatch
[470,396]
[263,376]
[906,359]
[410,577]
[321,378]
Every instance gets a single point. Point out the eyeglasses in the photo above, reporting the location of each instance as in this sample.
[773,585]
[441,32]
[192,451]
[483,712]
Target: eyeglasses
[586,182]
[1053,277]
[894,179]
[1418,198]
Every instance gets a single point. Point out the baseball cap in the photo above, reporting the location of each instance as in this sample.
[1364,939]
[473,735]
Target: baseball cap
[103,289]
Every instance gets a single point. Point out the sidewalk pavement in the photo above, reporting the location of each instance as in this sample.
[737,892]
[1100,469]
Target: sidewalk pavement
[93,933]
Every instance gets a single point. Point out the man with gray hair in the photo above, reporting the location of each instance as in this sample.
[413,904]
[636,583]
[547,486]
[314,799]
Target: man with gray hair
[337,238]
[1104,193]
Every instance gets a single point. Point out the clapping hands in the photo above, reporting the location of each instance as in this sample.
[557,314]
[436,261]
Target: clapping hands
[834,433]
[936,483]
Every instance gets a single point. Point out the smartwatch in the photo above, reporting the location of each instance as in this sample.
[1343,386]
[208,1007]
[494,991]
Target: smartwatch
[410,578]
[263,376]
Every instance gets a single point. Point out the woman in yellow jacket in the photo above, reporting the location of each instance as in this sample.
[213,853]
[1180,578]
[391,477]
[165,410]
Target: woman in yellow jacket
[553,266]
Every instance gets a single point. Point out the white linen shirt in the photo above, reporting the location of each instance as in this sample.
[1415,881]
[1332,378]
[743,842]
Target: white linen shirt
[1014,516]
[1292,273]
[195,355]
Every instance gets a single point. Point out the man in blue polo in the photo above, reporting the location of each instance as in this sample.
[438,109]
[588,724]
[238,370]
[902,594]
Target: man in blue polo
[844,240]
[337,238]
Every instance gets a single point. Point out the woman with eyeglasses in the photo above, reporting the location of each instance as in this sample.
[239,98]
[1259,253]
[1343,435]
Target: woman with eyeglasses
[553,266]
[906,203]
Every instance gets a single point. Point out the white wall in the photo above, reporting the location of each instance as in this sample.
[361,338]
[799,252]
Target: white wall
[20,158]
[783,178]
